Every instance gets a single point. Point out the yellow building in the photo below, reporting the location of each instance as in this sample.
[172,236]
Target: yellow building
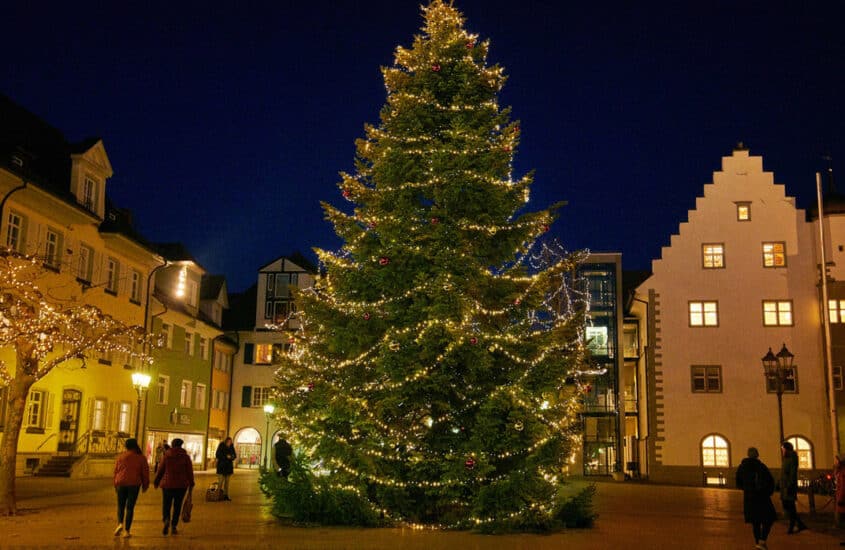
[53,204]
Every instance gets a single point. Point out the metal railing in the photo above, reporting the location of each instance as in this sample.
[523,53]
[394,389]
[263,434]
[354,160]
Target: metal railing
[100,442]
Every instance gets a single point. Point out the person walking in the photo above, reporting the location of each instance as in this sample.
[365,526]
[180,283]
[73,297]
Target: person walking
[176,477]
[225,466]
[159,453]
[283,453]
[131,475]
[789,487]
[757,485]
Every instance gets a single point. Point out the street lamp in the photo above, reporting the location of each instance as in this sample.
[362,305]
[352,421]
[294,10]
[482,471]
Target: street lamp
[141,381]
[268,411]
[778,368]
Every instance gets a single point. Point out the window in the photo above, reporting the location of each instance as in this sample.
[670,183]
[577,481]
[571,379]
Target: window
[89,194]
[804,450]
[200,399]
[263,354]
[713,256]
[35,409]
[135,286]
[166,336]
[112,275]
[86,263]
[837,378]
[51,249]
[185,395]
[715,452]
[260,396]
[704,314]
[124,416]
[193,293]
[221,401]
[163,389]
[777,313]
[790,382]
[189,342]
[743,211]
[706,378]
[14,232]
[98,415]
[204,348]
[774,254]
[836,311]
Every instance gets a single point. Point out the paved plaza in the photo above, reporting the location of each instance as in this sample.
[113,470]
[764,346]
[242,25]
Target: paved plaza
[63,513]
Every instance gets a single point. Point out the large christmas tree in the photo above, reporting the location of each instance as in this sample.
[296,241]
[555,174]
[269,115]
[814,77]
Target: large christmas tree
[433,381]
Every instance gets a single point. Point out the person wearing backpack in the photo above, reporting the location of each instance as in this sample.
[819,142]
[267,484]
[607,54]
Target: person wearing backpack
[757,485]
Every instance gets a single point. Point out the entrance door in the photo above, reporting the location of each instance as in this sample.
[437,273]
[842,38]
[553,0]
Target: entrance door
[69,423]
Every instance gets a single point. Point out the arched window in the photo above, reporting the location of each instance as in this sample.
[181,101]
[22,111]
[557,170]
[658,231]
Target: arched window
[715,451]
[804,450]
[248,448]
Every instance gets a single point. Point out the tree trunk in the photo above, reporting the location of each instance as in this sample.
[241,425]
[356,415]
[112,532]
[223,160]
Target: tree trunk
[18,391]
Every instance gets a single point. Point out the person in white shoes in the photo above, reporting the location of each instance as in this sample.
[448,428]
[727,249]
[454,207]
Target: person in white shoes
[131,475]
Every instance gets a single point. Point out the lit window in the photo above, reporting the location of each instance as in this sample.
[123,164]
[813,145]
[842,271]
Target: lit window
[185,394]
[837,378]
[89,194]
[193,292]
[713,256]
[112,275]
[774,254]
[85,265]
[51,249]
[124,416]
[166,336]
[704,314]
[715,452]
[706,379]
[163,389]
[260,396]
[743,211]
[14,232]
[189,342]
[135,286]
[98,421]
[836,311]
[777,313]
[35,408]
[203,347]
[263,354]
[804,450]
[200,398]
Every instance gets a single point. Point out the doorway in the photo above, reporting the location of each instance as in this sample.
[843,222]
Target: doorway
[69,423]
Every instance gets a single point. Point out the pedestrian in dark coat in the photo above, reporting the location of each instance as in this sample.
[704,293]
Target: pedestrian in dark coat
[225,466]
[175,476]
[757,485]
[283,452]
[789,487]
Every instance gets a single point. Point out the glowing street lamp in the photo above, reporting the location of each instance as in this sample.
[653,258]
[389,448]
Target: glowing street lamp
[778,368]
[140,381]
[269,409]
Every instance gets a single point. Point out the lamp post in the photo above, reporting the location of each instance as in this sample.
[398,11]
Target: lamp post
[778,368]
[268,412]
[141,381]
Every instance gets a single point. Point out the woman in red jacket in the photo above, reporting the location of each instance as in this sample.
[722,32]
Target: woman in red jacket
[175,476]
[131,474]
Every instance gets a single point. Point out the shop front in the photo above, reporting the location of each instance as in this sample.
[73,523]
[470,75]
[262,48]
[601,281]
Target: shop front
[194,445]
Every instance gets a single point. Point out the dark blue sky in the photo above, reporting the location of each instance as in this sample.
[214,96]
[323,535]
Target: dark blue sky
[227,122]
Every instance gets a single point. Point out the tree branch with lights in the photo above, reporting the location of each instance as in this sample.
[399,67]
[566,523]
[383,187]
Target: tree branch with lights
[45,332]
[435,380]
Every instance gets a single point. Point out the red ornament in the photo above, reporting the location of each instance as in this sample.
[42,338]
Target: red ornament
[517,302]
[310,386]
[367,316]
[435,221]
[546,228]
[473,340]
[588,388]
[507,148]
[516,129]
[384,260]
[371,225]
[470,45]
[346,193]
[291,340]
[470,463]
[435,68]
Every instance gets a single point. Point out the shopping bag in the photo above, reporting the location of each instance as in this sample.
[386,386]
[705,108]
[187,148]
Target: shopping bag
[187,506]
[213,493]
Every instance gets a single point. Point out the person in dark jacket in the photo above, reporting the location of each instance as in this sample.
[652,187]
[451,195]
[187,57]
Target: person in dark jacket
[175,476]
[131,476]
[225,466]
[757,485]
[789,487]
[283,452]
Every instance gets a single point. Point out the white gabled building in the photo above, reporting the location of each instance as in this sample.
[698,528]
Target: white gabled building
[739,277]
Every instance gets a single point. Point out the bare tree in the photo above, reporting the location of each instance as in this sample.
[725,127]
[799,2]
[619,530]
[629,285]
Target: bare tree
[44,333]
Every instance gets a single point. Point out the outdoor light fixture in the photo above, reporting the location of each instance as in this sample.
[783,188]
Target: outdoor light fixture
[269,409]
[778,368]
[140,381]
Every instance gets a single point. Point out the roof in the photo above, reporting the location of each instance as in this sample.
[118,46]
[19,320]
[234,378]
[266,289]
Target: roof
[296,257]
[175,252]
[211,286]
[631,279]
[241,312]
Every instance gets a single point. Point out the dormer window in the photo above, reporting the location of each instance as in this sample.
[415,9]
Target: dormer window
[89,194]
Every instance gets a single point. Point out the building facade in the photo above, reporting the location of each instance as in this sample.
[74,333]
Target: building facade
[739,277]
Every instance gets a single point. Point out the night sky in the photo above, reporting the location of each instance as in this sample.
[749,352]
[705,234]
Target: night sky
[227,122]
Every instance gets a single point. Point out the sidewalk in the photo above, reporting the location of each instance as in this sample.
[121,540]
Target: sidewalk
[62,513]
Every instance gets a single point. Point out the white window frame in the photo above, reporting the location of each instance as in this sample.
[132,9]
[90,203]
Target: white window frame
[99,414]
[167,332]
[777,313]
[185,394]
[36,405]
[89,193]
[14,231]
[192,290]
[112,274]
[52,252]
[771,255]
[124,417]
[163,389]
[204,348]
[200,398]
[85,264]
[703,313]
[189,343]
[714,455]
[260,396]
[135,286]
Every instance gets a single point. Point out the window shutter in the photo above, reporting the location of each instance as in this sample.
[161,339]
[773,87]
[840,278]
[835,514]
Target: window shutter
[246,397]
[48,409]
[111,419]
[249,353]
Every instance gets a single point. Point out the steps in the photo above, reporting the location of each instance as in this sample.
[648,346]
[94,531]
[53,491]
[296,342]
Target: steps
[57,466]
